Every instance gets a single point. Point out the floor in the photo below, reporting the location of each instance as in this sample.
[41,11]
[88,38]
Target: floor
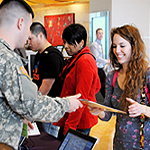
[104,132]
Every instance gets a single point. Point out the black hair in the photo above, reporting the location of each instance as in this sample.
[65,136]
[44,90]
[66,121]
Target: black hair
[74,33]
[36,28]
[26,6]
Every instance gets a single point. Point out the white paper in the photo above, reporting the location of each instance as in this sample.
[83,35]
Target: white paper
[34,131]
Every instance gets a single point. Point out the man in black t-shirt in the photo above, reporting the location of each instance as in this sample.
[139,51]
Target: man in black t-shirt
[48,64]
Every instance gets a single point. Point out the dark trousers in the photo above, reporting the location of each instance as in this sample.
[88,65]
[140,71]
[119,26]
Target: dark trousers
[102,77]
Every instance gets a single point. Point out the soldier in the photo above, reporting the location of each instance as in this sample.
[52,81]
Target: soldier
[19,96]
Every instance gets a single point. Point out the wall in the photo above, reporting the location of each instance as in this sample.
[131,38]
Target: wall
[81,13]
[100,6]
[127,12]
[103,5]
[133,12]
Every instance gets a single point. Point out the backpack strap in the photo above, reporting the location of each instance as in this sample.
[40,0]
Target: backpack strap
[65,71]
[147,93]
[145,90]
[115,77]
[77,59]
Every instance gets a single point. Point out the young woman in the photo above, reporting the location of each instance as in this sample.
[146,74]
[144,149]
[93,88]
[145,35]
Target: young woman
[127,92]
[80,75]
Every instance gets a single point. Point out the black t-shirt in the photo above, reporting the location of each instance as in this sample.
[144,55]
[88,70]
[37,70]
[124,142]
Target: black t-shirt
[48,64]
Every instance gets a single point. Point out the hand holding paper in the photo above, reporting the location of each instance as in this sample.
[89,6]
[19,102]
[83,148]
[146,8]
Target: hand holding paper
[100,106]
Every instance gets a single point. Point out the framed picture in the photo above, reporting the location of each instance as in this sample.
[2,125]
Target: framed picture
[55,24]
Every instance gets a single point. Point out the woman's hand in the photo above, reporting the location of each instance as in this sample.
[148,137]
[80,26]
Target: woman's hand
[136,109]
[96,111]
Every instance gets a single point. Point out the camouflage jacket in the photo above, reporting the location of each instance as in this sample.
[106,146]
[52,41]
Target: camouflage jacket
[20,98]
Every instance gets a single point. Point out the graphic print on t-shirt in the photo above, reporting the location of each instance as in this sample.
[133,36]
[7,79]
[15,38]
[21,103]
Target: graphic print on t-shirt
[35,71]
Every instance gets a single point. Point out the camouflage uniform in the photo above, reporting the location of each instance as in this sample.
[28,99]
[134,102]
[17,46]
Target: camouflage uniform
[19,98]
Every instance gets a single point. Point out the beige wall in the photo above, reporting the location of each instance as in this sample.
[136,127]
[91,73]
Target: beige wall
[81,13]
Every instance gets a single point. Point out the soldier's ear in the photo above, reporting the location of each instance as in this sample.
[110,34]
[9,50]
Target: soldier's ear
[20,23]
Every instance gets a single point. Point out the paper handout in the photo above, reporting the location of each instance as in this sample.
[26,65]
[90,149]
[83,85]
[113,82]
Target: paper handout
[35,131]
[106,108]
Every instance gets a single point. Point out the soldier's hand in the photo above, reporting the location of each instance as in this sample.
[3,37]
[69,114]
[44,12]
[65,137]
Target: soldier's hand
[75,103]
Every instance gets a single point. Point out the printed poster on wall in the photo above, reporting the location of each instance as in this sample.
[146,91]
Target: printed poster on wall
[55,24]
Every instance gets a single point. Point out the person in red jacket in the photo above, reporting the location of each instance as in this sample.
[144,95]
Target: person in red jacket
[80,75]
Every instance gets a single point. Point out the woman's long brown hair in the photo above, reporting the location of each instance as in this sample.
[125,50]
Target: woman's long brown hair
[137,66]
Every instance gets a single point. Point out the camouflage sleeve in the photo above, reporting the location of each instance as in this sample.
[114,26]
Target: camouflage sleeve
[23,97]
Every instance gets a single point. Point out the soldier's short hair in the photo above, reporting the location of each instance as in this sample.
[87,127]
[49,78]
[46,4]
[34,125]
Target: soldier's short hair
[22,2]
[10,10]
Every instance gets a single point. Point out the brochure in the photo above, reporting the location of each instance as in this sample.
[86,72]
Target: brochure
[106,108]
